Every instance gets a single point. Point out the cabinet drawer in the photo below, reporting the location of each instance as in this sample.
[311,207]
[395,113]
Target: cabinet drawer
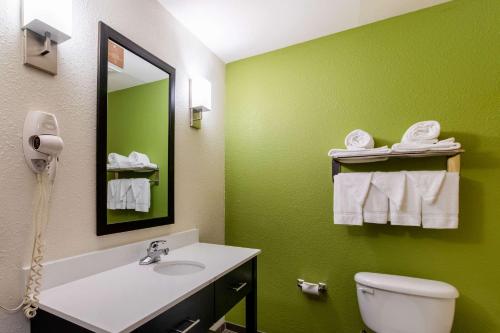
[231,288]
[193,315]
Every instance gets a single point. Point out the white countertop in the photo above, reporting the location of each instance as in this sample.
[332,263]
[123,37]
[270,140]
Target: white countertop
[124,298]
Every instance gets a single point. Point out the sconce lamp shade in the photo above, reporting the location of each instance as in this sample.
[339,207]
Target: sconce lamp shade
[48,16]
[201,94]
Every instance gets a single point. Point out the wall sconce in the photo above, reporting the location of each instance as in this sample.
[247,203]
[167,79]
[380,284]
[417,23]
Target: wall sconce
[46,23]
[200,100]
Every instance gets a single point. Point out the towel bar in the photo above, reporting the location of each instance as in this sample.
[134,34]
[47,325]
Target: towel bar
[154,181]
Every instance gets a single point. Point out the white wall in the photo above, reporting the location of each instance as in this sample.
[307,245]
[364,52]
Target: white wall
[199,155]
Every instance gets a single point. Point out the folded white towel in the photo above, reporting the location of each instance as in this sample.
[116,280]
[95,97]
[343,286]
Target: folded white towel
[376,207]
[425,132]
[361,152]
[359,139]
[443,145]
[443,212]
[142,194]
[349,194]
[404,200]
[118,161]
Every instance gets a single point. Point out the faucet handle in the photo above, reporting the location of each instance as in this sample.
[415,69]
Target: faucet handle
[153,246]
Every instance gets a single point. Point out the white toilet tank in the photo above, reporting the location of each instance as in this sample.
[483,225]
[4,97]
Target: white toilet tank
[401,304]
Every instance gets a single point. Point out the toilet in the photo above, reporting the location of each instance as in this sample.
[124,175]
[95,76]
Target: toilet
[401,304]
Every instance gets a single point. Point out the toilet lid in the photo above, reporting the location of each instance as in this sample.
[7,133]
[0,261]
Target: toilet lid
[407,285]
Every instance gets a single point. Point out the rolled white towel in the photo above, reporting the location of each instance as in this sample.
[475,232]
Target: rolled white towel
[359,139]
[136,157]
[140,160]
[118,161]
[424,132]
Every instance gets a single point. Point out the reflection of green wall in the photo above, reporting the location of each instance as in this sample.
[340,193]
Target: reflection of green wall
[138,121]
[286,109]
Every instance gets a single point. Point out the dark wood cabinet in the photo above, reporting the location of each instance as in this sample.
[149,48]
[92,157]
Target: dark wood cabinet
[193,315]
[231,288]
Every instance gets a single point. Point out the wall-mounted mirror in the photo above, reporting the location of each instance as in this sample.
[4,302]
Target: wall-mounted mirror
[135,136]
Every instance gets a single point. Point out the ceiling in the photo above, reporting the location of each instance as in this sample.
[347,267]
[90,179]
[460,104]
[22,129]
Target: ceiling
[237,29]
[135,72]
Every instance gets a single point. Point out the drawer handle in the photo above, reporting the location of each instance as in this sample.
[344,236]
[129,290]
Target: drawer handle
[241,286]
[190,327]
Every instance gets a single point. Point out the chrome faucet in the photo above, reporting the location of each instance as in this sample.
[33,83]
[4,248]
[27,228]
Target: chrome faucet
[154,252]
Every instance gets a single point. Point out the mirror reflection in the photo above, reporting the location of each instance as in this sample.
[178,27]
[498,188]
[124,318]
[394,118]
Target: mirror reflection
[137,138]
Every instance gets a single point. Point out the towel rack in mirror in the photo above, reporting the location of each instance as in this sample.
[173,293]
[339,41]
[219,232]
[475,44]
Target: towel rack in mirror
[453,159]
[155,171]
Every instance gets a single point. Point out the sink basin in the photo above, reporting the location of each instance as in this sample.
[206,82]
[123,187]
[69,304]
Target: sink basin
[179,267]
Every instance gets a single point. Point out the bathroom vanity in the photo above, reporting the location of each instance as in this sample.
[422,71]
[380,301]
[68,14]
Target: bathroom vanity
[187,291]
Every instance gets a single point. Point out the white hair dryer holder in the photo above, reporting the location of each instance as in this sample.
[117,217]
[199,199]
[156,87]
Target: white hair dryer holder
[41,141]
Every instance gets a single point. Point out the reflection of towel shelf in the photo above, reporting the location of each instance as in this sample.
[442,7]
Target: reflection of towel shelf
[156,171]
[453,159]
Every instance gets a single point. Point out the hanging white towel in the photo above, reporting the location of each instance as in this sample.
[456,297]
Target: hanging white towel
[113,189]
[349,194]
[130,197]
[142,194]
[404,200]
[376,207]
[443,212]
[428,183]
[117,193]
[359,139]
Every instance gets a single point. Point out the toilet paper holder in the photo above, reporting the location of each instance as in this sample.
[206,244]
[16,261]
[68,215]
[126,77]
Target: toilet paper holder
[322,287]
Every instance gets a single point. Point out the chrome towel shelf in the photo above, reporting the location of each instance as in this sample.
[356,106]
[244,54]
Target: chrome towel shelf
[453,159]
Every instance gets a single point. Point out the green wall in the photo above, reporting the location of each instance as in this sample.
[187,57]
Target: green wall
[287,108]
[137,121]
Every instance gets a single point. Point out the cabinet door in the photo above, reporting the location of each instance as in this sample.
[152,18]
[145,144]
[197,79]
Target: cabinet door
[232,287]
[193,315]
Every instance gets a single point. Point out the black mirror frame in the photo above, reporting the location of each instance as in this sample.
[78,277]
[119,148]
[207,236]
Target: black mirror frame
[103,228]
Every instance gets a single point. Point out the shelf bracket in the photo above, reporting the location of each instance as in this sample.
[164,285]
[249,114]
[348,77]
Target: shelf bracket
[454,163]
[336,166]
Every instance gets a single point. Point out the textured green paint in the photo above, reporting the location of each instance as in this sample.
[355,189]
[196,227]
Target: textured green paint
[287,108]
[137,121]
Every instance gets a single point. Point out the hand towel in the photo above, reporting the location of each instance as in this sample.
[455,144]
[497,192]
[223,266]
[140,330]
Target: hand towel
[117,193]
[404,200]
[359,139]
[130,199]
[428,183]
[376,207]
[349,194]
[142,194]
[425,132]
[443,212]
[359,152]
[112,192]
[118,161]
